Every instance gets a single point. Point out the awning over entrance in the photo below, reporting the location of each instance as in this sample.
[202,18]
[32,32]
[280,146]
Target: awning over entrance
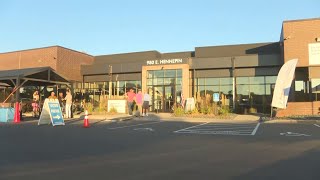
[41,76]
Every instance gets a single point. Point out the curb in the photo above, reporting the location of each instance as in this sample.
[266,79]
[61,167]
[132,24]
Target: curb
[285,121]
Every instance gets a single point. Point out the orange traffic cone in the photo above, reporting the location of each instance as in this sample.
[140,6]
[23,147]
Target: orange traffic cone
[16,118]
[86,120]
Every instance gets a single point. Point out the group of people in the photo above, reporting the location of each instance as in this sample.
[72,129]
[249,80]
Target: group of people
[141,100]
[65,102]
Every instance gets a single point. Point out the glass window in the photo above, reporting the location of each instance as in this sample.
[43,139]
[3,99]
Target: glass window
[212,81]
[212,89]
[226,81]
[149,74]
[179,81]
[202,89]
[299,86]
[158,81]
[257,89]
[269,89]
[226,89]
[243,89]
[242,80]
[170,73]
[86,85]
[201,81]
[149,82]
[256,80]
[315,84]
[158,74]
[168,81]
[271,79]
[179,73]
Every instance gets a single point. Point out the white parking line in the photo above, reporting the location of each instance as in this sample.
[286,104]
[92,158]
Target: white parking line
[136,125]
[222,129]
[192,127]
[231,124]
[317,125]
[217,132]
[255,129]
[219,128]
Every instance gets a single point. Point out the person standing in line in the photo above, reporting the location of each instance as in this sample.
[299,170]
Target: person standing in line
[130,98]
[139,98]
[52,96]
[35,104]
[61,102]
[68,100]
[36,96]
[145,105]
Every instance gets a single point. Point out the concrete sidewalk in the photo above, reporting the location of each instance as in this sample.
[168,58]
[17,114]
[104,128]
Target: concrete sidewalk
[170,117]
[237,118]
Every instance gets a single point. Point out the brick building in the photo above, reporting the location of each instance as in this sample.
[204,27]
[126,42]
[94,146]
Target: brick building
[243,76]
[66,62]
[301,39]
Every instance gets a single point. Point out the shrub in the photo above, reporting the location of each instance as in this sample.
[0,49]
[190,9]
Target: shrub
[195,111]
[89,107]
[113,110]
[178,111]
[203,110]
[224,110]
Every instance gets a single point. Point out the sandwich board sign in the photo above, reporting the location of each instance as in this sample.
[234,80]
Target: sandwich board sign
[51,112]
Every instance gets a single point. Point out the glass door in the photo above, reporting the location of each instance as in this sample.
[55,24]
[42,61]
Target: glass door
[169,92]
[165,86]
[157,99]
[163,98]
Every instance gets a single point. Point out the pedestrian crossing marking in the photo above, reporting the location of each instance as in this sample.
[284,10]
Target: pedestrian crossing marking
[248,129]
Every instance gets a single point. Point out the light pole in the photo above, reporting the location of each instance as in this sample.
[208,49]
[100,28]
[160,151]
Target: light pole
[110,80]
[233,83]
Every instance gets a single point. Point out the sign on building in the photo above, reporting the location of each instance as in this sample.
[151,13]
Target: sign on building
[314,53]
[216,97]
[51,113]
[164,61]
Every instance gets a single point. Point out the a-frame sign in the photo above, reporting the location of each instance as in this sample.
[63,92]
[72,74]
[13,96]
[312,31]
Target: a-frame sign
[51,112]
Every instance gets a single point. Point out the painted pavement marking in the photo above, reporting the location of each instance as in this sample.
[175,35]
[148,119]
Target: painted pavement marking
[191,127]
[317,125]
[293,134]
[120,127]
[143,129]
[249,129]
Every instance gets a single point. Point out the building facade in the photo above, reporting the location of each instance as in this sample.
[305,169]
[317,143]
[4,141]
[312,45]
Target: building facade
[241,76]
[66,62]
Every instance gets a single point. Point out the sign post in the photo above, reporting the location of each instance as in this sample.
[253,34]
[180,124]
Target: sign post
[51,112]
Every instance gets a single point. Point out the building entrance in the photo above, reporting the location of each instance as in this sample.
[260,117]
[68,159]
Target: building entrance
[165,86]
[163,98]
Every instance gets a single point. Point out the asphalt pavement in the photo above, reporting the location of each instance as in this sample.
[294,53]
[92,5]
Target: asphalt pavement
[158,149]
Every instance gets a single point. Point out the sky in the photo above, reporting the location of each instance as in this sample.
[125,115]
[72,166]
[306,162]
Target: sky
[100,27]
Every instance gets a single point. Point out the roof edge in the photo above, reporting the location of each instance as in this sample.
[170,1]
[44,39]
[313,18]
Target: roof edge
[232,45]
[54,46]
[127,53]
[298,20]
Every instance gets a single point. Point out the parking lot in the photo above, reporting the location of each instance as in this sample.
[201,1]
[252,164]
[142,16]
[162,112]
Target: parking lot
[155,149]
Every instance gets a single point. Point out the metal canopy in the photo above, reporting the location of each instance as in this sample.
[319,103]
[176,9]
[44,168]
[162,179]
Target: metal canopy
[40,76]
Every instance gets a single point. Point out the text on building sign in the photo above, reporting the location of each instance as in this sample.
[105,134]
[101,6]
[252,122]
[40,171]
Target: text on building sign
[164,61]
